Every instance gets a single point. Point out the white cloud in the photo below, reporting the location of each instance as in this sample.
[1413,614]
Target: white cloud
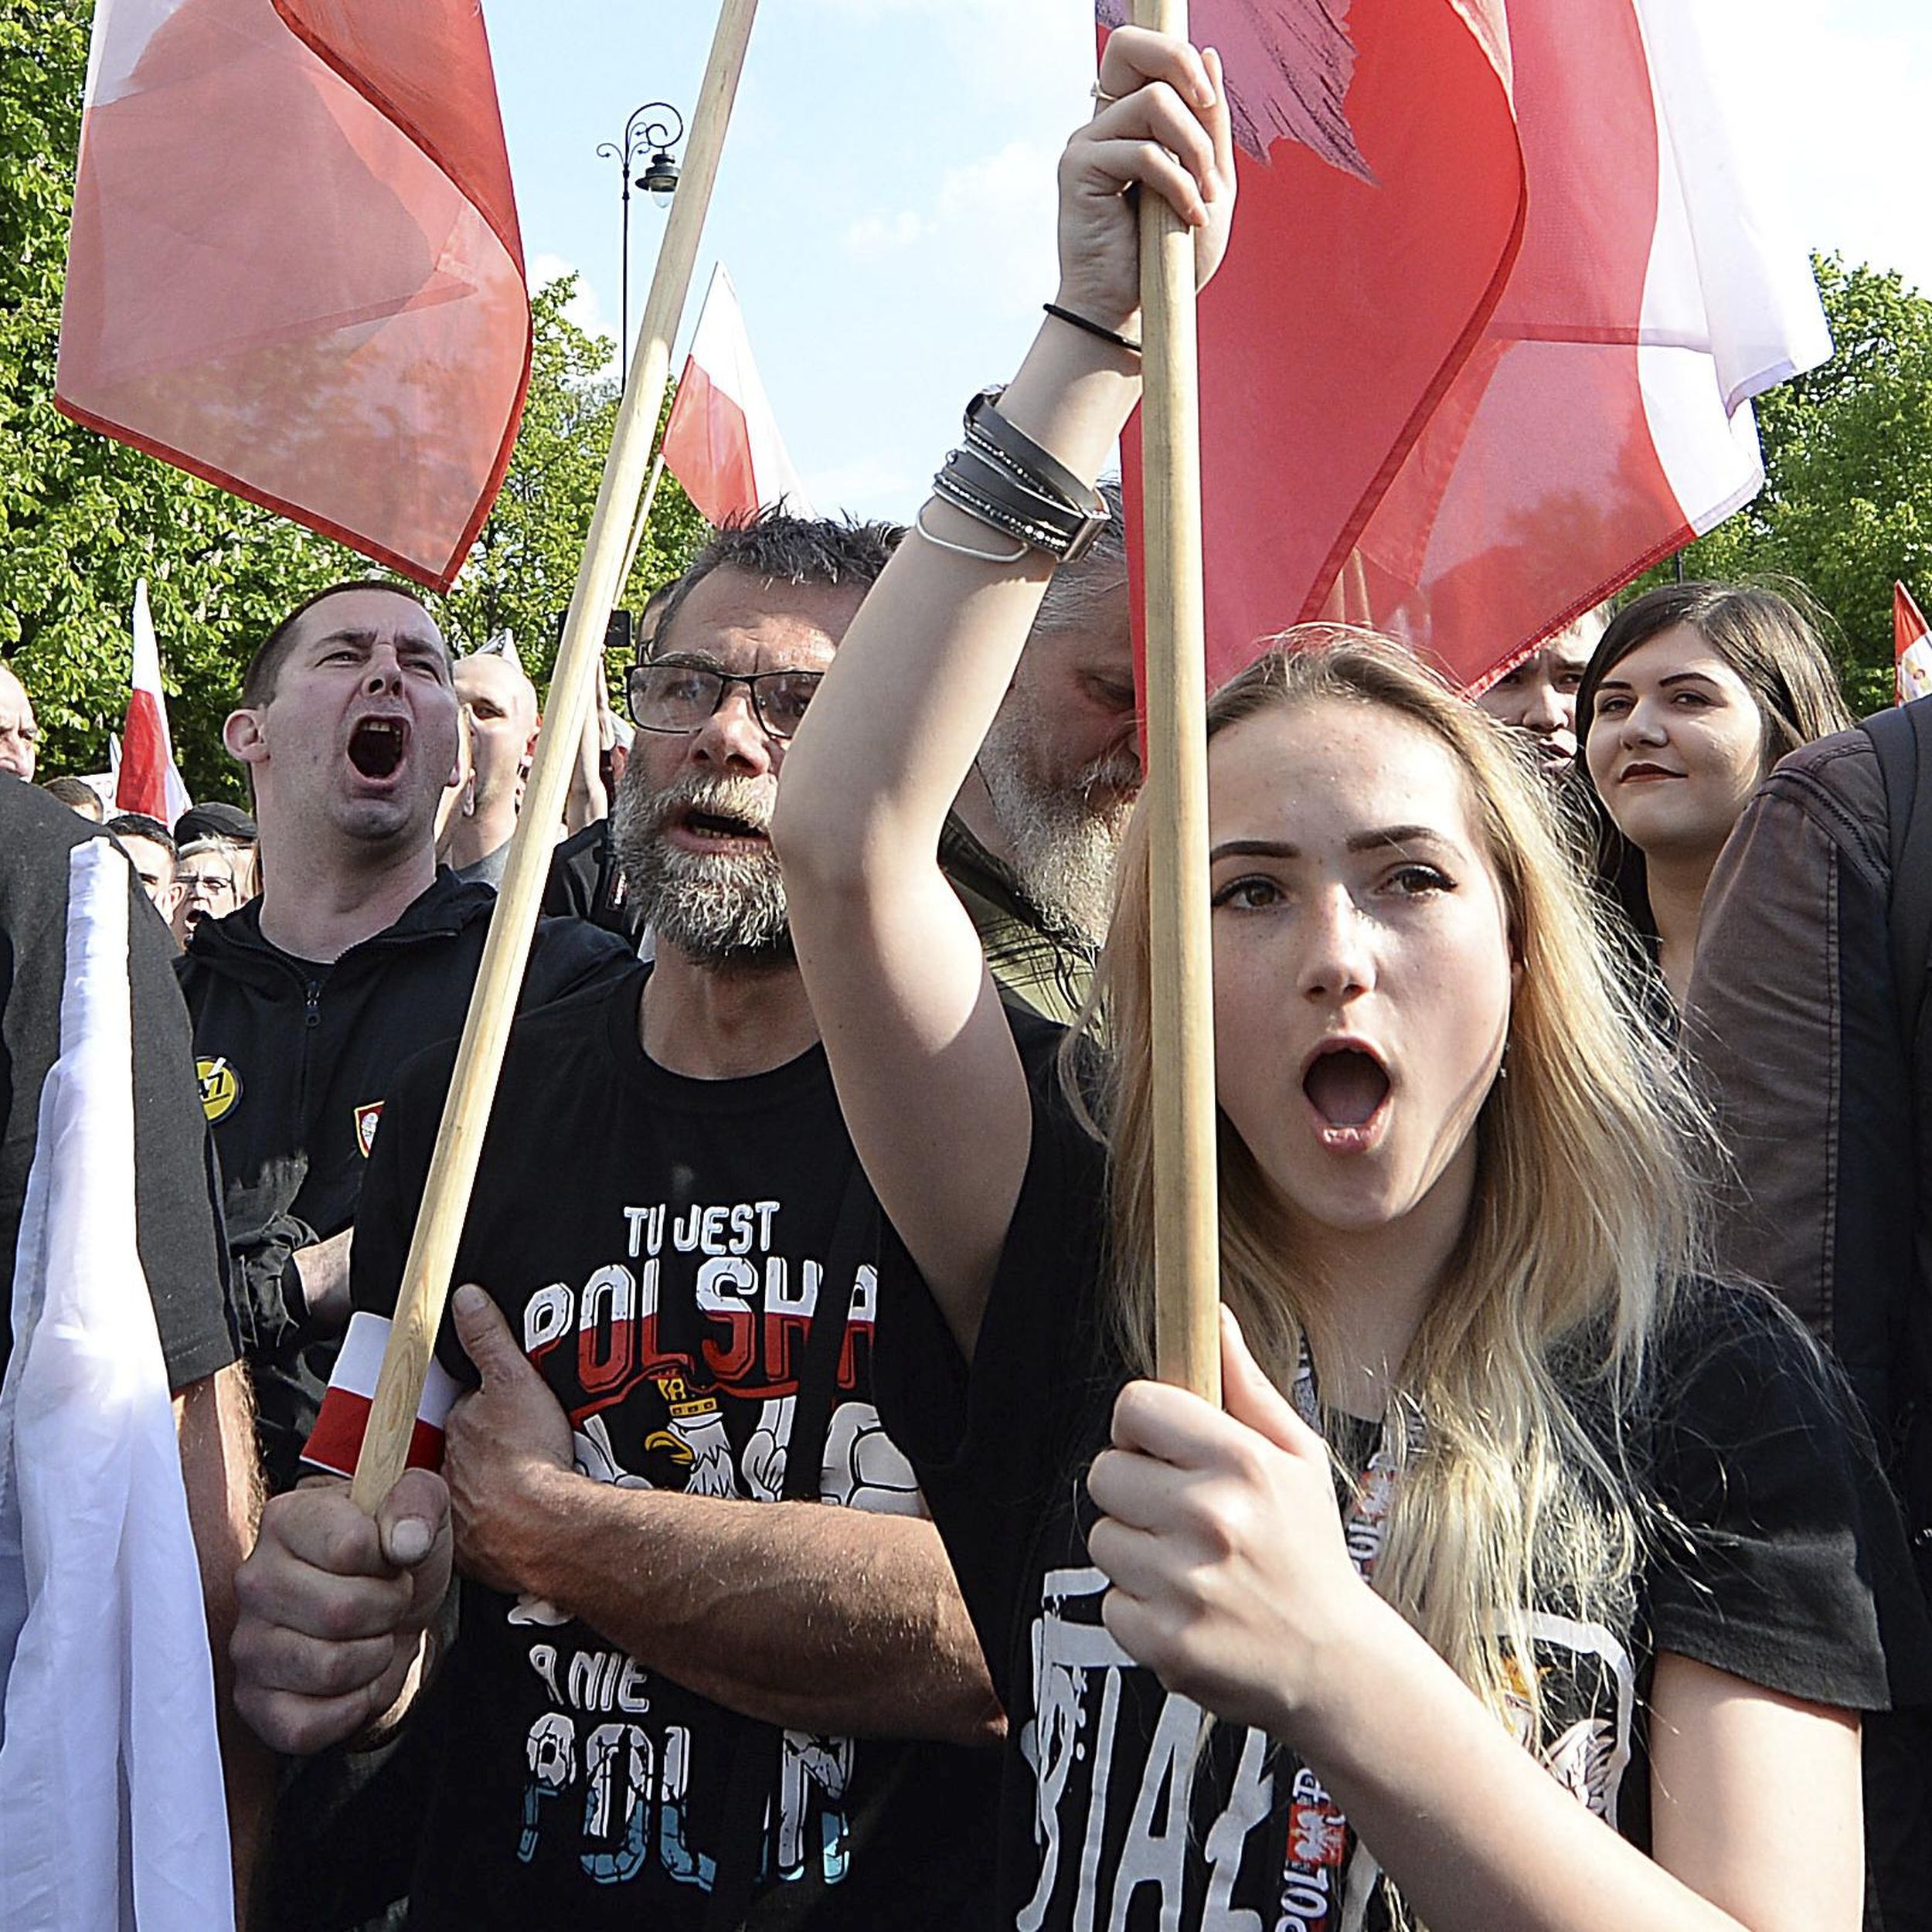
[1841,86]
[1014,56]
[990,230]
[874,236]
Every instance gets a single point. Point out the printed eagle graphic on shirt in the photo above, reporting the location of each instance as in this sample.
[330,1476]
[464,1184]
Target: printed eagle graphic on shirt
[1289,64]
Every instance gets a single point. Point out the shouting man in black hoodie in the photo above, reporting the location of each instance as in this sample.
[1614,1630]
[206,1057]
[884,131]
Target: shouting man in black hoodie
[358,952]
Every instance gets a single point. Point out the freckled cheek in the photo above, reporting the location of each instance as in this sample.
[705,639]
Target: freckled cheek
[1250,1007]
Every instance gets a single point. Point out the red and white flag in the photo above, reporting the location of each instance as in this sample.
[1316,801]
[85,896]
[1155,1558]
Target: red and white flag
[145,779]
[336,1440]
[295,267]
[722,441]
[1911,646]
[1500,287]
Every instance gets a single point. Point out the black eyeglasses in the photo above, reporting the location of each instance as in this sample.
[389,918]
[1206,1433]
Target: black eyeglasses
[679,697]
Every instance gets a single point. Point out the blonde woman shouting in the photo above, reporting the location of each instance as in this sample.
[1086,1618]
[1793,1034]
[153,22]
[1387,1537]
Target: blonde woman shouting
[1521,1572]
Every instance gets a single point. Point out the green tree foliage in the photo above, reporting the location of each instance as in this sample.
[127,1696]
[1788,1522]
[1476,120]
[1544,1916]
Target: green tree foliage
[83,518]
[1847,504]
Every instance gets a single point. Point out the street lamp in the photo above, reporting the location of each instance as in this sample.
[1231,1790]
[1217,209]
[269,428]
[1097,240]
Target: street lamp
[654,129]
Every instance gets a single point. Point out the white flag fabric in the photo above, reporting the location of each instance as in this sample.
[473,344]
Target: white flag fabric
[111,1811]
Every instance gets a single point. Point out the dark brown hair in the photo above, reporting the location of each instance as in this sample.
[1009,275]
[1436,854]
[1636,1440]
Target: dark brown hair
[264,669]
[1765,635]
[1769,637]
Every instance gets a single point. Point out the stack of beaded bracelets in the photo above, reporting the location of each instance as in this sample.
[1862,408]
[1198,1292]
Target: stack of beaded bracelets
[1002,479]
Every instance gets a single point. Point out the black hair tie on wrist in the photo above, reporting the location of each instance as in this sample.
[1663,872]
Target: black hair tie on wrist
[1082,322]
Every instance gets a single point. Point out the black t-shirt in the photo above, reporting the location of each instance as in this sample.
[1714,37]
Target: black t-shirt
[660,1245]
[175,1223]
[1107,1817]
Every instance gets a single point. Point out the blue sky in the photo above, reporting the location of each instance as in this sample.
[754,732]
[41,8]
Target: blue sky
[886,201]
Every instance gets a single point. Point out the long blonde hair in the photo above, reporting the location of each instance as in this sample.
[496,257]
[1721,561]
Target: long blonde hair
[1586,1213]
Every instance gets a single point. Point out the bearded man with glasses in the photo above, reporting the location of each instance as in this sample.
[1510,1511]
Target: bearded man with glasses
[684,1693]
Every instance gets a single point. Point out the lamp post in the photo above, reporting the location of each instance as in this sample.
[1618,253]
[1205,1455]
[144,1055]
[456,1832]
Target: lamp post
[654,129]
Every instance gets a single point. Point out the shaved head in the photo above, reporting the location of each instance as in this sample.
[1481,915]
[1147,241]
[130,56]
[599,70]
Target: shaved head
[19,733]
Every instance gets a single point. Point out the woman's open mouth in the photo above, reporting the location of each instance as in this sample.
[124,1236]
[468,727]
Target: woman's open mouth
[1347,1089]
[376,746]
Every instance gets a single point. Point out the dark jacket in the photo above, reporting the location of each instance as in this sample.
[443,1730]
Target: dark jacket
[295,1059]
[1792,1022]
[586,882]
[1824,1096]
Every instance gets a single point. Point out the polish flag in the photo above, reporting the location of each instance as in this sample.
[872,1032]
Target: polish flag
[1911,646]
[295,267]
[336,1440]
[145,779]
[1501,285]
[722,441]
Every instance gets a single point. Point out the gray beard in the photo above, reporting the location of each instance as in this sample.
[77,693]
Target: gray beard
[718,909]
[1064,844]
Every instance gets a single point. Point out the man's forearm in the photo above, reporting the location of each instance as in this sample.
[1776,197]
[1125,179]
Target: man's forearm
[805,1614]
[214,1425]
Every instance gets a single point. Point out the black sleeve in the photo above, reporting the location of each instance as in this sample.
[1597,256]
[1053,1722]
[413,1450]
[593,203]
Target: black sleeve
[988,1441]
[176,1211]
[1778,1538]
[392,1191]
[176,1204]
[571,892]
[568,956]
[385,1210]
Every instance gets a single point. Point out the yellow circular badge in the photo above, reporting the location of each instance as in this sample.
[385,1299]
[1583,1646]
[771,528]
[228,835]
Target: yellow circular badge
[220,1088]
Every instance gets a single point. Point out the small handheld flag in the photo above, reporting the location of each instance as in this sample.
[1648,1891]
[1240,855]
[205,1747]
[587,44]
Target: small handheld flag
[1911,647]
[722,441]
[145,779]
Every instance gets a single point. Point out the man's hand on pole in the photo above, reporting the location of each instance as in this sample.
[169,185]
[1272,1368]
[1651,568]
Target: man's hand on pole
[335,1609]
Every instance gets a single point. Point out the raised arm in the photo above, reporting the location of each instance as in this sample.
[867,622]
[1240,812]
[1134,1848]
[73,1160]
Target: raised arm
[926,1071]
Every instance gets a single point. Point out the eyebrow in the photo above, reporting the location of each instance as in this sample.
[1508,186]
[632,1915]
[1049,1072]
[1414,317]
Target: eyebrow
[363,637]
[1663,684]
[1381,839]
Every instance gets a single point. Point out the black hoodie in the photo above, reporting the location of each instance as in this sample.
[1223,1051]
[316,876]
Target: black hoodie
[295,1060]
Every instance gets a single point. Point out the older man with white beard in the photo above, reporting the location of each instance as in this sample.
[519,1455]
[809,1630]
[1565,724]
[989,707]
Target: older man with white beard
[1031,844]
[685,1692]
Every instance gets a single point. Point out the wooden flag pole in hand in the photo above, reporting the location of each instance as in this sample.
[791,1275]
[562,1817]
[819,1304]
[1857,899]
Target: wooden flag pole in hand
[1187,1266]
[459,1141]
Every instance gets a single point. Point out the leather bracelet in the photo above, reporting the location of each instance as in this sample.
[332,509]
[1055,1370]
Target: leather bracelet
[951,486]
[1091,327]
[1002,479]
[993,475]
[983,419]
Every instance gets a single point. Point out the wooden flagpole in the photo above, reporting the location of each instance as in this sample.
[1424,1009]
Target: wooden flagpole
[459,1141]
[1187,1268]
[644,517]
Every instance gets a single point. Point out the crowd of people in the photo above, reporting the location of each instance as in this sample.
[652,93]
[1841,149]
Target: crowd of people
[809,1543]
